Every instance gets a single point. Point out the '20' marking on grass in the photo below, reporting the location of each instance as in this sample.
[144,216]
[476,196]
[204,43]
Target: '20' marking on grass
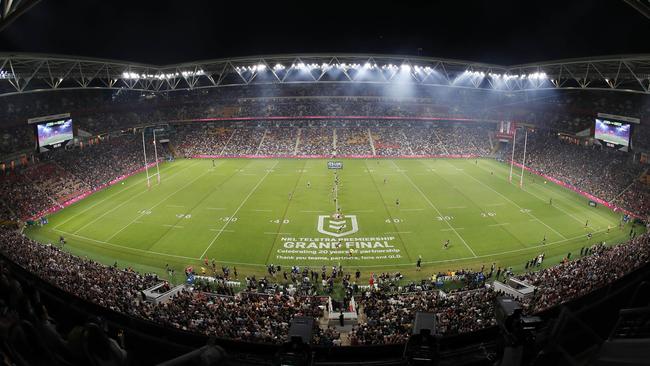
[444,218]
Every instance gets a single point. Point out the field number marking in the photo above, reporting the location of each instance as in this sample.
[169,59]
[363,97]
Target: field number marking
[393,221]
[488,214]
[444,218]
[279,221]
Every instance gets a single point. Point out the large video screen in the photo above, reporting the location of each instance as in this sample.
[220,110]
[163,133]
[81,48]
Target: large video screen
[53,133]
[614,132]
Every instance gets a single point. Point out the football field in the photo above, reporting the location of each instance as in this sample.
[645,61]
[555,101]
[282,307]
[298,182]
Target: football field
[252,212]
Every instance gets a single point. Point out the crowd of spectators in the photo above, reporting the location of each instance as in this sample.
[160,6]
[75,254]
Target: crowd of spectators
[386,316]
[605,173]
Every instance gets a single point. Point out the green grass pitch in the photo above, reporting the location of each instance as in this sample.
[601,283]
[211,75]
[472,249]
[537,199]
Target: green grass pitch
[251,212]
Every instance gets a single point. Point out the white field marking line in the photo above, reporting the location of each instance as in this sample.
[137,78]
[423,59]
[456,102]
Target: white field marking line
[594,211]
[562,192]
[114,194]
[412,209]
[174,226]
[435,208]
[124,247]
[480,256]
[124,203]
[157,204]
[239,208]
[502,224]
[453,229]
[215,208]
[259,210]
[228,231]
[555,206]
[458,207]
[512,202]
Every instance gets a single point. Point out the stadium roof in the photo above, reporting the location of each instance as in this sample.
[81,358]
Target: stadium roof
[21,73]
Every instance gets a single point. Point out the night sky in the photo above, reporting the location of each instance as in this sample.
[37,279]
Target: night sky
[160,32]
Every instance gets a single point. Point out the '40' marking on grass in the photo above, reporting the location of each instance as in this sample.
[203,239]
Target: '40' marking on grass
[393,221]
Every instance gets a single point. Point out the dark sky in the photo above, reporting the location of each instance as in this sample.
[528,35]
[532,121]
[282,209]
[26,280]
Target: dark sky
[160,32]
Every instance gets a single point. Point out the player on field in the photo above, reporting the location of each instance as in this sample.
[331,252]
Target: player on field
[290,195]
[446,244]
[589,236]
[418,265]
[586,224]
[544,240]
[308,184]
[550,201]
[397,202]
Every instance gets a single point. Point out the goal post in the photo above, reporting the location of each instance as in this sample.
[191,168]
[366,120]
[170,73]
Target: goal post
[146,163]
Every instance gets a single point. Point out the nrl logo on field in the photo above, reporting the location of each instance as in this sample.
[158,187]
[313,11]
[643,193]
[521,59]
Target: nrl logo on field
[338,226]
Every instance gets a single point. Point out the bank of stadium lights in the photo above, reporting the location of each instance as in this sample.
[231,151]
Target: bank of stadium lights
[161,76]
[253,68]
[531,76]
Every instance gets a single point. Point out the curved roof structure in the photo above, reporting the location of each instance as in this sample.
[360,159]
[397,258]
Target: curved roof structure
[20,73]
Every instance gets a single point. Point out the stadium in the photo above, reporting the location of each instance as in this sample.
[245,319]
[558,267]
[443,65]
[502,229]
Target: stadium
[324,208]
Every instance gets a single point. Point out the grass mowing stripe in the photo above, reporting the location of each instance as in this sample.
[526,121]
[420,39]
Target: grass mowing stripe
[238,208]
[435,208]
[121,246]
[543,200]
[511,201]
[124,203]
[480,209]
[284,214]
[160,202]
[210,192]
[383,201]
[568,194]
[101,201]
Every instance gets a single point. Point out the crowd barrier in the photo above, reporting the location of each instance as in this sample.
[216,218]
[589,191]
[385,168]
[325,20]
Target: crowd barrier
[252,156]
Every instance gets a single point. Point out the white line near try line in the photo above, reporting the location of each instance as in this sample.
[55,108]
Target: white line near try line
[238,208]
[124,203]
[157,204]
[436,208]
